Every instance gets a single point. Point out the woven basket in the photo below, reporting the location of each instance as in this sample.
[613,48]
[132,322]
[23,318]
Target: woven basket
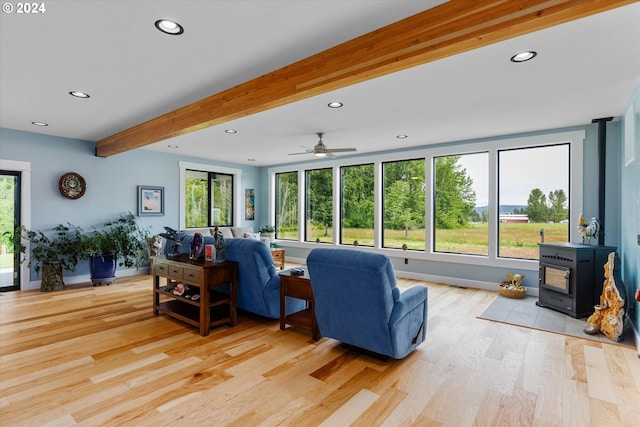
[517,293]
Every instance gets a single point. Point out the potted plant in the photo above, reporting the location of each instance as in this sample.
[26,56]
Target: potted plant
[122,242]
[51,253]
[268,231]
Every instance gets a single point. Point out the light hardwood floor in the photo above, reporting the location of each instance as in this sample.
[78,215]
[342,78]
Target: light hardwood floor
[99,357]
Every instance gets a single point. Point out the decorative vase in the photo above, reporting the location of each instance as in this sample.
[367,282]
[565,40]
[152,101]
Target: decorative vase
[197,245]
[103,269]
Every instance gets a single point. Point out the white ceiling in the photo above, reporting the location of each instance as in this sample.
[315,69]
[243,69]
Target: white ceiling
[585,69]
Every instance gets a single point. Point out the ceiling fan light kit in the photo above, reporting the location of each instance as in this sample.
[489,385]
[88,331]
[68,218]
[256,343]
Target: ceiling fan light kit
[321,150]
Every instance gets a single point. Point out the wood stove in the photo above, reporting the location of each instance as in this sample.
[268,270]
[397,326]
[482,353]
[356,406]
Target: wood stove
[571,276]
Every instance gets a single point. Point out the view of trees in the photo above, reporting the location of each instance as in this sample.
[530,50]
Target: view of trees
[404,193]
[287,205]
[7,189]
[539,209]
[455,199]
[197,199]
[357,202]
[196,202]
[319,204]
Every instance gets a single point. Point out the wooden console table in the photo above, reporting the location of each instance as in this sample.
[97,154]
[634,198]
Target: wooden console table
[212,308]
[298,287]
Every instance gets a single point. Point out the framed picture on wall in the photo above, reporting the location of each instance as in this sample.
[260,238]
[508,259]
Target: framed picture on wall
[150,200]
[249,204]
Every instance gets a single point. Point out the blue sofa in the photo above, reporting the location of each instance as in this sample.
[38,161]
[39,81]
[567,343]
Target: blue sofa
[258,279]
[357,302]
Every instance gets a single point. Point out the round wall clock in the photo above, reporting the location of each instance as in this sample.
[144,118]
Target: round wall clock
[72,185]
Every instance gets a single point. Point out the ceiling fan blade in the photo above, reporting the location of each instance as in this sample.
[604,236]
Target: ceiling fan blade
[306,152]
[340,150]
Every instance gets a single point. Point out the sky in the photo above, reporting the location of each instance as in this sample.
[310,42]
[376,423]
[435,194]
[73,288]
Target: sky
[520,171]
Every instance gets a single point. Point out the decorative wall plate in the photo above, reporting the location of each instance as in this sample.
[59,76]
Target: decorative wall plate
[72,185]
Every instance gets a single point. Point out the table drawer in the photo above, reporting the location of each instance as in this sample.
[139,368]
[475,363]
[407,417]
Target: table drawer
[161,269]
[175,272]
[192,275]
[298,288]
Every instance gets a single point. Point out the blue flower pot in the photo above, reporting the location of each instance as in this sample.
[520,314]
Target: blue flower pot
[103,269]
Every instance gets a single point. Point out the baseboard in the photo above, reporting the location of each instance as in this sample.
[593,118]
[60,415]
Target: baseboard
[85,278]
[453,281]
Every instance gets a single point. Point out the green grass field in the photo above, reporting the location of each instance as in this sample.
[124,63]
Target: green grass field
[516,240]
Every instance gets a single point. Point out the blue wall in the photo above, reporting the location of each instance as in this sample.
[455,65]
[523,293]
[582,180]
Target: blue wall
[111,182]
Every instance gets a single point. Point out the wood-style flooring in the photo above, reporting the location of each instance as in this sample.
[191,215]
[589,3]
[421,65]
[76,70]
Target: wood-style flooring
[97,356]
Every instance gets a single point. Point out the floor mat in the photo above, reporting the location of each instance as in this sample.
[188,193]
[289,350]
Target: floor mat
[525,312]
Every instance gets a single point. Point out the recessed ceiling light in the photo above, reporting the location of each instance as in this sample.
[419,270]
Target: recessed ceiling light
[173,146]
[230,131]
[402,136]
[335,104]
[523,56]
[79,94]
[40,124]
[169,27]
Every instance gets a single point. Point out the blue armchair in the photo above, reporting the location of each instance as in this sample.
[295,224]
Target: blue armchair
[357,302]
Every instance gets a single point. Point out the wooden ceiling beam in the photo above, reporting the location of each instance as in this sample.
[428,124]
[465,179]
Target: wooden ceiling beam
[446,30]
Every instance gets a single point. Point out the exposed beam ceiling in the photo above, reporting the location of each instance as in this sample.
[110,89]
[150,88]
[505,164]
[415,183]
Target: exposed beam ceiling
[446,30]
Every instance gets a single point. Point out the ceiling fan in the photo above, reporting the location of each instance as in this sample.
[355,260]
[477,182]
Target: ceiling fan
[321,150]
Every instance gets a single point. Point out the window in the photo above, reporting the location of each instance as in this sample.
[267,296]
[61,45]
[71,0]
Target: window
[204,189]
[319,205]
[461,184]
[404,204]
[357,205]
[287,206]
[533,199]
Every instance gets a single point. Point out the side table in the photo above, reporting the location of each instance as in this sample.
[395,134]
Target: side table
[298,287]
[278,257]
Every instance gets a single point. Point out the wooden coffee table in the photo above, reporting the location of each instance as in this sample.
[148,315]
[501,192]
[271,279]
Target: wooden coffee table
[298,287]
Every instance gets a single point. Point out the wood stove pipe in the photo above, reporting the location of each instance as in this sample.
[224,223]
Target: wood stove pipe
[602,162]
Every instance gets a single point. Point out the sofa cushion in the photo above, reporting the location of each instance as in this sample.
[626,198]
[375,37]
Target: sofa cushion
[226,232]
[204,231]
[239,231]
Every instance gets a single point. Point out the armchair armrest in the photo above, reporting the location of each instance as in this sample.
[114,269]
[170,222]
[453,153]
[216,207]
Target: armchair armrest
[409,299]
[408,321]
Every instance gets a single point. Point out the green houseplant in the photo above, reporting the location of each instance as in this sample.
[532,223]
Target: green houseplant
[268,231]
[51,253]
[122,242]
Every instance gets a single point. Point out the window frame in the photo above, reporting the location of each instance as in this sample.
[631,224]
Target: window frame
[238,199]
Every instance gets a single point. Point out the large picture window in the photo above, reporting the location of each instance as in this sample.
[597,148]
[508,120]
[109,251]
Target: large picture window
[287,206]
[461,184]
[357,213]
[319,205]
[404,204]
[208,199]
[533,199]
